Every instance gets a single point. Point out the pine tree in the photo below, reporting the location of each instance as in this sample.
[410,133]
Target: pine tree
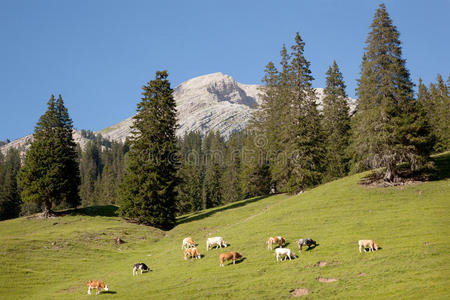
[190,172]
[51,174]
[336,124]
[231,186]
[214,156]
[438,113]
[90,170]
[255,176]
[280,131]
[305,142]
[9,193]
[389,127]
[148,191]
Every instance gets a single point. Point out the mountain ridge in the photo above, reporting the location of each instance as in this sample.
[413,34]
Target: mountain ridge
[209,102]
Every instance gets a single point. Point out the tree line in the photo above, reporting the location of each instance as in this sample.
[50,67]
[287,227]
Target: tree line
[289,145]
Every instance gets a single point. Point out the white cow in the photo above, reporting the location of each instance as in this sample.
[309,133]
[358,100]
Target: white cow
[215,241]
[284,252]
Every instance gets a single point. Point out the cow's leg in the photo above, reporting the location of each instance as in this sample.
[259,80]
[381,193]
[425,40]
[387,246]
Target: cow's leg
[89,290]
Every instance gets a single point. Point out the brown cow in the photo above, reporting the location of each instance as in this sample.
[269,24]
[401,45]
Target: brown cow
[96,284]
[188,243]
[275,240]
[192,252]
[229,255]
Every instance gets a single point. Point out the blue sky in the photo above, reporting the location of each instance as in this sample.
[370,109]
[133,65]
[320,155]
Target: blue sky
[99,53]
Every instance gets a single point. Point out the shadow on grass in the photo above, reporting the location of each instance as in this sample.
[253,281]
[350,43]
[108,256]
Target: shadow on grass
[212,211]
[312,247]
[238,261]
[108,292]
[92,211]
[441,166]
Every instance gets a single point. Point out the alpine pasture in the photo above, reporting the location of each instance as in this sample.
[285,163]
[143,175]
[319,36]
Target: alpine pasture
[54,258]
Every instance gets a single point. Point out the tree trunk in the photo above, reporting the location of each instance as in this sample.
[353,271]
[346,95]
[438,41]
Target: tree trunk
[47,213]
[391,174]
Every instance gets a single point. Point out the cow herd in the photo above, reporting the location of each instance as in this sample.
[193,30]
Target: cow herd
[191,251]
[189,246]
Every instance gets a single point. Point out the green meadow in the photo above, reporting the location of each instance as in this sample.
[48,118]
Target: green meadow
[54,258]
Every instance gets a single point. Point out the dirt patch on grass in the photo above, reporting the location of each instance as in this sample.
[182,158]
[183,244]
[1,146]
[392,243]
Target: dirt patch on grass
[362,274]
[326,280]
[299,292]
[321,264]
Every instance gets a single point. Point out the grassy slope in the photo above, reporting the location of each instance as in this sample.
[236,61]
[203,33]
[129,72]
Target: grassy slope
[52,259]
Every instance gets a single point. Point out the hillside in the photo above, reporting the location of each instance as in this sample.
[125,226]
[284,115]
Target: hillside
[52,259]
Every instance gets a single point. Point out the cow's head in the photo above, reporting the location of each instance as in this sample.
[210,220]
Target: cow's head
[375,246]
[106,288]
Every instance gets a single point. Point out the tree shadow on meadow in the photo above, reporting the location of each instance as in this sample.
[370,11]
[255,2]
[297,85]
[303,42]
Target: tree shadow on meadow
[212,211]
[99,210]
[441,166]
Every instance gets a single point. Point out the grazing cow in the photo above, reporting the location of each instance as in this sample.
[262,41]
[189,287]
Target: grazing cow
[96,284]
[275,240]
[229,255]
[140,266]
[308,242]
[192,252]
[363,244]
[284,252]
[210,242]
[188,243]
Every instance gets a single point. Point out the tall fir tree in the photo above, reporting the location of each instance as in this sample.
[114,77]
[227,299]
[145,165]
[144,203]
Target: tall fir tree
[9,193]
[231,186]
[51,174]
[255,176]
[389,127]
[336,124]
[305,135]
[148,191]
[278,139]
[214,157]
[438,113]
[90,170]
[190,172]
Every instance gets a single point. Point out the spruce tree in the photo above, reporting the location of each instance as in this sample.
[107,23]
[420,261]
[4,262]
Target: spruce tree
[279,133]
[190,172]
[214,156]
[305,137]
[148,191]
[51,174]
[9,193]
[255,174]
[439,113]
[336,124]
[90,170]
[389,127]
[230,181]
